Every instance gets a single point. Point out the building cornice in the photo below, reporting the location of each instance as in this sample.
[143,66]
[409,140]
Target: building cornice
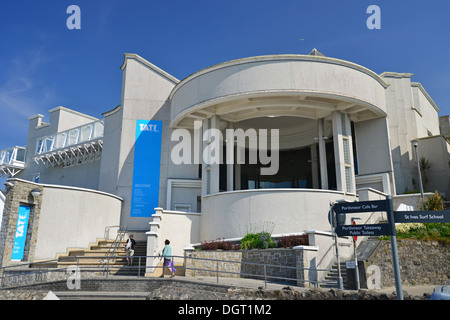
[281,57]
[74,112]
[425,93]
[148,65]
[111,112]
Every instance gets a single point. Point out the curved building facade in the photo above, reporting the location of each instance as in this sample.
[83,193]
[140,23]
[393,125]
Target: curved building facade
[272,138]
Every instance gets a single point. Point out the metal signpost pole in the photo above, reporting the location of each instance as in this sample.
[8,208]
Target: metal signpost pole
[340,281]
[393,236]
[355,258]
[332,219]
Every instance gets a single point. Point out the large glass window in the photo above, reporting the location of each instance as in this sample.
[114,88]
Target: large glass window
[295,171]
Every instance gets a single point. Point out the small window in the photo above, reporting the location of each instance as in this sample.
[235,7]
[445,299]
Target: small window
[199,204]
[182,207]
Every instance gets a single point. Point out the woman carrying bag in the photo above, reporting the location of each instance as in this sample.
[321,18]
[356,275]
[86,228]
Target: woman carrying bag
[167,255]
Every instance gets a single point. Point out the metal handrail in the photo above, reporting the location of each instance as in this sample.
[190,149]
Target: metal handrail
[111,253]
[101,268]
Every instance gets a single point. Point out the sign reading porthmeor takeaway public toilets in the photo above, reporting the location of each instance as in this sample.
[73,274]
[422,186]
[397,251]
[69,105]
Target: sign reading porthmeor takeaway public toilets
[147,159]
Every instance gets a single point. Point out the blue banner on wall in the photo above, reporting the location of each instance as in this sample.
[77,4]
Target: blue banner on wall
[21,233]
[146,171]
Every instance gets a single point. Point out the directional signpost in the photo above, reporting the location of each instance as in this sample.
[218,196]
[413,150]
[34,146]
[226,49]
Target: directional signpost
[342,208]
[363,230]
[422,216]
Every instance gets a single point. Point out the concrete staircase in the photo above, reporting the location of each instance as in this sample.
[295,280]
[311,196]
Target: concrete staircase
[95,255]
[332,276]
[364,251]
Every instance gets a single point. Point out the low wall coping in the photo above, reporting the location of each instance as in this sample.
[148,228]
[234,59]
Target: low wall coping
[56,186]
[309,248]
[320,233]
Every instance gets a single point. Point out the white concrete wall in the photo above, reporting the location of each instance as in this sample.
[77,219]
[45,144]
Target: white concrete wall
[181,229]
[437,151]
[444,125]
[73,218]
[411,199]
[373,147]
[279,73]
[411,114]
[145,89]
[427,119]
[228,214]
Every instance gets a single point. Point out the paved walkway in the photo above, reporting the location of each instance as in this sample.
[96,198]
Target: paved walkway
[232,282]
[412,290]
[255,284]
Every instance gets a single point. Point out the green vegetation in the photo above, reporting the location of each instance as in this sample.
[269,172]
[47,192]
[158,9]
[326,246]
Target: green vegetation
[433,203]
[425,231]
[262,240]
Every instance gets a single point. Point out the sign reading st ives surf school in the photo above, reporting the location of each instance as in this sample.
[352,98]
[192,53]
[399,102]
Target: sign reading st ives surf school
[422,216]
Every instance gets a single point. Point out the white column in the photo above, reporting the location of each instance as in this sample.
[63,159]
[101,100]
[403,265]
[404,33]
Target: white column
[152,242]
[210,174]
[229,162]
[314,166]
[322,156]
[343,152]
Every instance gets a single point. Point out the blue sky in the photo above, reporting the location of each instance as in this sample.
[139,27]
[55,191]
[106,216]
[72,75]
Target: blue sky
[45,65]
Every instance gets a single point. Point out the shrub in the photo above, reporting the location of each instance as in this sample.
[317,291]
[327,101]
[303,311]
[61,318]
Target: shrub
[218,244]
[426,231]
[292,241]
[262,240]
[433,203]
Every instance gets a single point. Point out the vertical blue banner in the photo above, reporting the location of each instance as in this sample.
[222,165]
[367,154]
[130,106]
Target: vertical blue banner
[21,233]
[146,171]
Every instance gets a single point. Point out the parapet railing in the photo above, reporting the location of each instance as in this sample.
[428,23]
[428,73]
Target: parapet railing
[50,270]
[12,161]
[58,141]
[75,146]
[12,156]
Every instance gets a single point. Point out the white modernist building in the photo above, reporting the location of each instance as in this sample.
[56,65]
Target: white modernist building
[343,132]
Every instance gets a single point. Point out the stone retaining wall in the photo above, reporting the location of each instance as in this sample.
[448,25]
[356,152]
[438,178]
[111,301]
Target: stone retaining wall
[421,262]
[281,263]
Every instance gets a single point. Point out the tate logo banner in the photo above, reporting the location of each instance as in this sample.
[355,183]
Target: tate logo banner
[21,233]
[147,160]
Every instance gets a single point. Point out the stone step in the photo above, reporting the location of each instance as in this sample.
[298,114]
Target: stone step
[99,295]
[95,257]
